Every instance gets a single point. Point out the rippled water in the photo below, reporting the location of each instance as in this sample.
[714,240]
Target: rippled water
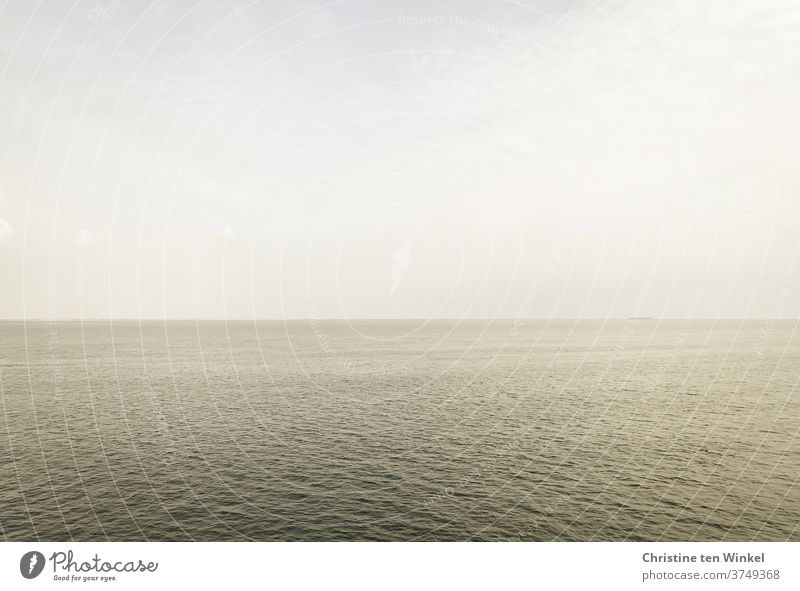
[590,430]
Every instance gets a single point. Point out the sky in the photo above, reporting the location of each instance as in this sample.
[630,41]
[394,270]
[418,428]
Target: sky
[377,159]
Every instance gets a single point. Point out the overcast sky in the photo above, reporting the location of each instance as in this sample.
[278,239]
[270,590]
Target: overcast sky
[377,159]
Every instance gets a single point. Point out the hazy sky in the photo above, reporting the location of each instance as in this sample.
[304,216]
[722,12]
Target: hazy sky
[366,158]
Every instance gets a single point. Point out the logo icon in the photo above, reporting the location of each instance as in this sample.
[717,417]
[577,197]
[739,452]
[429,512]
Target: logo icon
[400,264]
[31,564]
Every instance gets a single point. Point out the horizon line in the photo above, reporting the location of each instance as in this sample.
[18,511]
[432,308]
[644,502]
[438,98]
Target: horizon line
[403,319]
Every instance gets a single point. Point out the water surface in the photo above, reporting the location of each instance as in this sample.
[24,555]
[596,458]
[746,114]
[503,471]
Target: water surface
[406,430]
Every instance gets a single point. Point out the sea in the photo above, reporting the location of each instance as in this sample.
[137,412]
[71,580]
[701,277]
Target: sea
[406,430]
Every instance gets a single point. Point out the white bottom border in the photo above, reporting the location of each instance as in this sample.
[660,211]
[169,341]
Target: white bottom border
[376,566]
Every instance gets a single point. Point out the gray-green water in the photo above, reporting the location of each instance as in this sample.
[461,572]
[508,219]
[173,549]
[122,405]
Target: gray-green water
[591,430]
